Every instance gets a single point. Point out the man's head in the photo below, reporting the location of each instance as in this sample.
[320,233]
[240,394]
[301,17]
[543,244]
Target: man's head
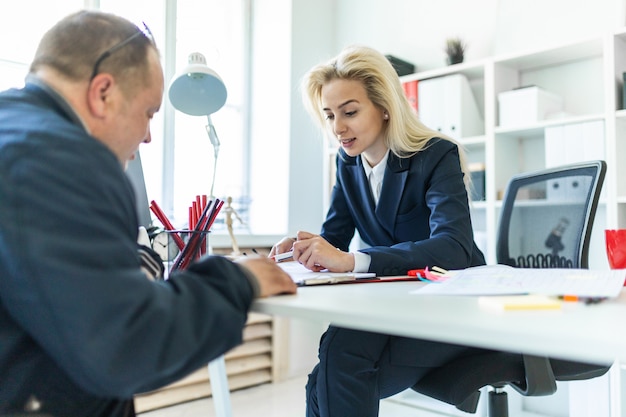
[108,69]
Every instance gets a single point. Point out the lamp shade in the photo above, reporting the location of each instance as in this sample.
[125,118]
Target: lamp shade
[197,90]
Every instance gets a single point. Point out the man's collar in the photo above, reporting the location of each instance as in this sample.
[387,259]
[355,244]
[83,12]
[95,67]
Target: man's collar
[58,99]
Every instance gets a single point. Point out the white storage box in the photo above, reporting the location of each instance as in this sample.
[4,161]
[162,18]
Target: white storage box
[527,106]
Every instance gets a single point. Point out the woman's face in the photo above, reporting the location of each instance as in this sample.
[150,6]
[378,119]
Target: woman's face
[354,120]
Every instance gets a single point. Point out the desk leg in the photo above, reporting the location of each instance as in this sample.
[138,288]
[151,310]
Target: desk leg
[219,387]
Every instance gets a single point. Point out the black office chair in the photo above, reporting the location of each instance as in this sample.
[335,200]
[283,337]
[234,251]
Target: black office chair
[545,222]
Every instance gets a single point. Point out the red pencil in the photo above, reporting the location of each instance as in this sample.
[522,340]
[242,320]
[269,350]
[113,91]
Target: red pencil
[166,223]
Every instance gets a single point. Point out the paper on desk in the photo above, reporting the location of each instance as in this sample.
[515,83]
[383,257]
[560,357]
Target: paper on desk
[502,279]
[303,276]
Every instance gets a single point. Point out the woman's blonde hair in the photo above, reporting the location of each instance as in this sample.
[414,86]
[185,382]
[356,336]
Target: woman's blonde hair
[404,134]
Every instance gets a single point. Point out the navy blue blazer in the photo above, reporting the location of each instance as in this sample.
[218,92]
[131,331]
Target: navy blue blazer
[422,217]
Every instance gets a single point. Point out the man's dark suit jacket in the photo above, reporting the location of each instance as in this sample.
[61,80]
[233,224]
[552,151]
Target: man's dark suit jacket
[81,327]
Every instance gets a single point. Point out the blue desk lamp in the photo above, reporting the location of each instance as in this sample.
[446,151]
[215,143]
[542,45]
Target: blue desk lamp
[198,91]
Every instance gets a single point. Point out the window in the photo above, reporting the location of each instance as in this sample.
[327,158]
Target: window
[178,164]
[21,30]
[217,29]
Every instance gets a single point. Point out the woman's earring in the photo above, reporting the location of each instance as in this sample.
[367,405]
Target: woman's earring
[386,116]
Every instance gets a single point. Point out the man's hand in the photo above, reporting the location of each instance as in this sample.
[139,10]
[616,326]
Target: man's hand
[271,278]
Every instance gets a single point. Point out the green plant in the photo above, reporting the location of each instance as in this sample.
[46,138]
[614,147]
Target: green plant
[455,49]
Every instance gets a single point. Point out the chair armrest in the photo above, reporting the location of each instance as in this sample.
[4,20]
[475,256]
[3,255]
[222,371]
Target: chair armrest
[539,377]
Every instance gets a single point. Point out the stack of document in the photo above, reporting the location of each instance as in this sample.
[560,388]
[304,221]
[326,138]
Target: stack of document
[503,280]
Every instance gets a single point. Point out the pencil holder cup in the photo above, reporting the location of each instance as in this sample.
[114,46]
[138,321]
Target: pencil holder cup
[616,247]
[195,244]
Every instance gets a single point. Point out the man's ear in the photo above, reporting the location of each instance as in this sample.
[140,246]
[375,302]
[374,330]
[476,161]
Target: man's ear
[99,94]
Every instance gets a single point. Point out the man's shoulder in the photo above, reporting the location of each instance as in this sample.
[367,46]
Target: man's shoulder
[31,131]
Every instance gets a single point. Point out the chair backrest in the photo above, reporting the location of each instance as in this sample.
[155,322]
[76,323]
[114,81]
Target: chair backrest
[547,216]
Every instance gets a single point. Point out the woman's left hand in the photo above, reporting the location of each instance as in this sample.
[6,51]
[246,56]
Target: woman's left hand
[316,254]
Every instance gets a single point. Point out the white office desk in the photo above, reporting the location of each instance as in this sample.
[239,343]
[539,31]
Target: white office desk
[594,333]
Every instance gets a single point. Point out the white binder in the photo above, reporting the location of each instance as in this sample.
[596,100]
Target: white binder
[447,104]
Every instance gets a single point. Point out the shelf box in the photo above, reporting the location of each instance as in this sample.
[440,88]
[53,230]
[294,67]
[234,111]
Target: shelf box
[526,106]
[574,142]
[447,104]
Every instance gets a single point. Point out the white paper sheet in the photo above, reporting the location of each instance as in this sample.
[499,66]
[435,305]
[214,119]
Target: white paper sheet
[303,276]
[502,279]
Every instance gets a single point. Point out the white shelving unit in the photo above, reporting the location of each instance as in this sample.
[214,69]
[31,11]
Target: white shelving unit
[587,75]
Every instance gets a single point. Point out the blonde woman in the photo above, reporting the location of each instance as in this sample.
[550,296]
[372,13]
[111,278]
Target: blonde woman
[403,187]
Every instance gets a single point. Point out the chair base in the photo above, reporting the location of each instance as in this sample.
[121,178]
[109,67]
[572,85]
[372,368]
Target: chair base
[498,403]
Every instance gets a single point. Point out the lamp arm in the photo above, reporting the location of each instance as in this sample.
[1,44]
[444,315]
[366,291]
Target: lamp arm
[215,141]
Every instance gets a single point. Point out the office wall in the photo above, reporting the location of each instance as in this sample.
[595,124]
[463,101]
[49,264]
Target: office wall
[537,23]
[416,29]
[313,36]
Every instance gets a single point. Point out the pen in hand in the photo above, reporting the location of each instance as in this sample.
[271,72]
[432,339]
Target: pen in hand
[282,257]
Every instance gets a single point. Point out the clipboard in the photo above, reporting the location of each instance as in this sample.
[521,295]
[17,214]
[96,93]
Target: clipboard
[328,278]
[304,277]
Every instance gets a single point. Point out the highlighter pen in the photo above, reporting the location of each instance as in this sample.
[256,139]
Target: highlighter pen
[586,300]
